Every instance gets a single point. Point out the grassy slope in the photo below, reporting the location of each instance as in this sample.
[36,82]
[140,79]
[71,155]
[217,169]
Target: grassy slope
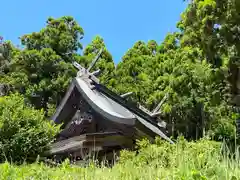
[185,160]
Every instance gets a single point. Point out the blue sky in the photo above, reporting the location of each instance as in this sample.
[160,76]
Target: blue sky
[121,23]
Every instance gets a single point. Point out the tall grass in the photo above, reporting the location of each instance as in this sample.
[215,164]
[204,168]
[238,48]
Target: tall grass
[204,159]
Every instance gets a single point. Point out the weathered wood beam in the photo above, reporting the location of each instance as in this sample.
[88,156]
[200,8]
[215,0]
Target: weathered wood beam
[148,112]
[155,114]
[96,73]
[126,94]
[92,75]
[144,109]
[156,109]
[78,66]
[95,60]
[162,124]
[94,78]
[98,140]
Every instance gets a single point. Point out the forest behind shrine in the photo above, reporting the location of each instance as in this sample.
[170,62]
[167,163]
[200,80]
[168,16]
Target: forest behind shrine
[196,66]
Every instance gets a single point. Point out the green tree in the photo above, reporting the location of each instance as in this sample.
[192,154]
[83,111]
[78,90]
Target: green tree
[43,69]
[130,74]
[105,64]
[197,67]
[24,132]
[212,25]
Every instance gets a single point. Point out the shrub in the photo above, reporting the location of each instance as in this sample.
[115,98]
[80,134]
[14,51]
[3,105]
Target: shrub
[24,131]
[182,159]
[199,160]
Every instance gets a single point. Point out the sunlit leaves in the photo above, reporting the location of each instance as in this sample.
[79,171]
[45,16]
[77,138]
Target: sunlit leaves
[24,132]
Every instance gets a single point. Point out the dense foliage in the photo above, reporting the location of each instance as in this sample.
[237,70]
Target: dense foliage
[184,160]
[197,67]
[24,132]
